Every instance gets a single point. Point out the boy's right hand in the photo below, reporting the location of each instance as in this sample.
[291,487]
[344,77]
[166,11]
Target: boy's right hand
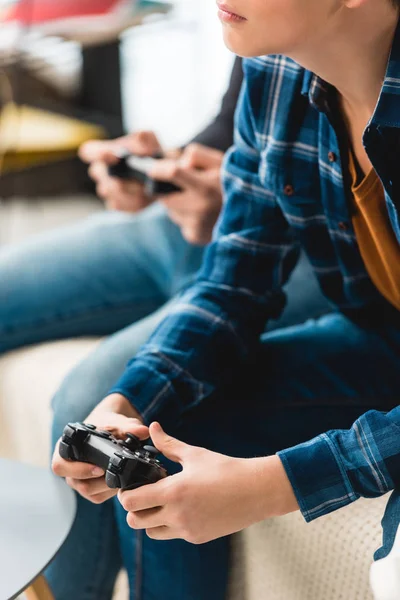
[116,414]
[119,194]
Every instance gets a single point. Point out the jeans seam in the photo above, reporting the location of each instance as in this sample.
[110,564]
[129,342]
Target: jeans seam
[76,317]
[139,566]
[93,590]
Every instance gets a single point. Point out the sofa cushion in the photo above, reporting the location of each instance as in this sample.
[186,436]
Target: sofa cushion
[28,380]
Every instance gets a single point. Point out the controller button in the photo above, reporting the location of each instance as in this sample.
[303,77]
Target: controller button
[112,480]
[116,463]
[68,432]
[151,451]
[89,426]
[65,450]
[117,460]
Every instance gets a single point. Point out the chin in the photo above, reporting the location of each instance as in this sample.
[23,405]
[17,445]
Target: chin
[240,45]
[236,44]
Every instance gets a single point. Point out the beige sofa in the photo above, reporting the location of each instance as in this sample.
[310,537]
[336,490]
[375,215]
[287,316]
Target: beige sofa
[282,559]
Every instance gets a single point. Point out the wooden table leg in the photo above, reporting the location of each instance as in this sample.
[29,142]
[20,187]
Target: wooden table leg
[39,590]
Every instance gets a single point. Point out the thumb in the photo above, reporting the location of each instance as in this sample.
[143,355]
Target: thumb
[144,142]
[171,170]
[197,156]
[96,150]
[170,447]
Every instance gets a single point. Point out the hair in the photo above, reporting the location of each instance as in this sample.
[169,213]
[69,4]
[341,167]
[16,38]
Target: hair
[396,3]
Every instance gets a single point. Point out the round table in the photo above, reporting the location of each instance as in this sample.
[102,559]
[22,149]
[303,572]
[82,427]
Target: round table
[37,511]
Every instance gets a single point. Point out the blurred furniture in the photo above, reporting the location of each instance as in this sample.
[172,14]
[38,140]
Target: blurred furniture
[39,151]
[100,92]
[97,105]
[39,140]
[36,513]
[99,97]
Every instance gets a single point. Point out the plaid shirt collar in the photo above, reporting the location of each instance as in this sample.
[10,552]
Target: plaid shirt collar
[317,91]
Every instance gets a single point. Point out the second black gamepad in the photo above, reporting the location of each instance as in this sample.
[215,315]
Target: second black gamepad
[132,166]
[128,464]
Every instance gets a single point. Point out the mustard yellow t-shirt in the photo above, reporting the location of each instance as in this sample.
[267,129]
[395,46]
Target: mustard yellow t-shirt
[378,245]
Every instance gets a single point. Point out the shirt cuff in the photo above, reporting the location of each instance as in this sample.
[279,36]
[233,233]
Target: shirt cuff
[149,393]
[318,477]
[160,390]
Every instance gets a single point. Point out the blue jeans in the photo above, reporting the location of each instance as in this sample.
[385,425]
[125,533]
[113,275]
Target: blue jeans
[93,278]
[107,276]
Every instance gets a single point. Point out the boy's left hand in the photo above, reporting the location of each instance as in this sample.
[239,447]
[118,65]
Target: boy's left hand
[213,496]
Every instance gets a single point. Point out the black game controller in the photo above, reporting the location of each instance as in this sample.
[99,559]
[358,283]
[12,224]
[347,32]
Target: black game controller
[127,464]
[131,166]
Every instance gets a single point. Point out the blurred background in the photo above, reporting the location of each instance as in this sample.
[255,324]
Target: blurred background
[67,76]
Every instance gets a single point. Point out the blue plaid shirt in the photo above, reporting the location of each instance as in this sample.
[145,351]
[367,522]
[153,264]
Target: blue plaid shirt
[285,187]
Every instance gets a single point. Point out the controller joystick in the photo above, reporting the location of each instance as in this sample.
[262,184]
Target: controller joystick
[132,442]
[128,464]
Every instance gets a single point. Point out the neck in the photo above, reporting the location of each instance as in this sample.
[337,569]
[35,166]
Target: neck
[353,54]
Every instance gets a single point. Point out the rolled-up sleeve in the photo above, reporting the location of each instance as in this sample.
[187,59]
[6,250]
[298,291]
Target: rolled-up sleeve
[340,466]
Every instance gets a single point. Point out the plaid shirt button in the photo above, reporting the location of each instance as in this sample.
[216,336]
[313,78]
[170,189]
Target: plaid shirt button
[343,226]
[332,157]
[288,190]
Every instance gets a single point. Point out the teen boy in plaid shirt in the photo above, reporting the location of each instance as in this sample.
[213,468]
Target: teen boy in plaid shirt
[315,166]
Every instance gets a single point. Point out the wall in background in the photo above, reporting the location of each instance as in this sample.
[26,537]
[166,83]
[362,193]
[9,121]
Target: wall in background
[175,72]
